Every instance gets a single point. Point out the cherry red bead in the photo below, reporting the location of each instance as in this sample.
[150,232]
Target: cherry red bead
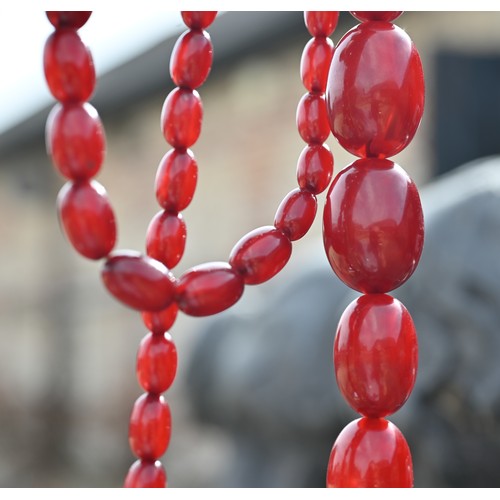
[150,426]
[209,289]
[138,281]
[315,63]
[296,213]
[68,18]
[68,66]
[312,119]
[160,321]
[321,23]
[375,91]
[146,474]
[181,117]
[373,226]
[315,168]
[376,355]
[370,453]
[260,254]
[198,19]
[87,218]
[376,15]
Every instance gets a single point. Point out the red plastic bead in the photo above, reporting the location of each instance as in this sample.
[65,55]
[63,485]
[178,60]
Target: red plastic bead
[376,355]
[376,15]
[312,119]
[156,362]
[181,117]
[209,289]
[260,254]
[321,23]
[198,19]
[87,218]
[75,140]
[370,453]
[73,19]
[69,68]
[150,426]
[138,281]
[373,226]
[161,321]
[315,168]
[296,213]
[375,91]
[146,474]
[315,63]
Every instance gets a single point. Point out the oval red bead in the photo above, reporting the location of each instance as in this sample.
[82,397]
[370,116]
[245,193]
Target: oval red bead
[209,289]
[138,281]
[376,15]
[87,218]
[198,19]
[321,23]
[375,91]
[315,63]
[296,213]
[312,119]
[370,453]
[315,168]
[146,474]
[74,19]
[160,321]
[260,254]
[376,355]
[373,226]
[150,426]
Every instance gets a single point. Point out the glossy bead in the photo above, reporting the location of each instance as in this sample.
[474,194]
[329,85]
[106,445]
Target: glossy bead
[315,63]
[166,238]
[315,168]
[321,23]
[87,218]
[208,289]
[312,119]
[138,281]
[75,140]
[146,474]
[68,66]
[191,59]
[198,19]
[260,254]
[376,355]
[375,91]
[370,453]
[181,117]
[160,321]
[156,363]
[296,213]
[176,180]
[150,426]
[73,19]
[373,226]
[377,15]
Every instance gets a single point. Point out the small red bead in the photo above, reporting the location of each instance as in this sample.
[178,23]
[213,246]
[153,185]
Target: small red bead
[370,453]
[198,19]
[260,254]
[296,213]
[209,289]
[161,321]
[315,168]
[315,63]
[376,15]
[87,218]
[146,474]
[312,119]
[150,426]
[138,281]
[321,23]
[181,117]
[68,66]
[68,18]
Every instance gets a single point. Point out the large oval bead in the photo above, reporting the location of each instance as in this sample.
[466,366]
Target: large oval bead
[375,91]
[373,226]
[146,474]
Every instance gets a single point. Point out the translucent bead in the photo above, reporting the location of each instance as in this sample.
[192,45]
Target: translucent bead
[370,453]
[87,218]
[68,66]
[377,15]
[296,213]
[198,19]
[73,19]
[208,289]
[138,281]
[376,355]
[315,63]
[315,168]
[161,321]
[321,23]
[146,474]
[312,119]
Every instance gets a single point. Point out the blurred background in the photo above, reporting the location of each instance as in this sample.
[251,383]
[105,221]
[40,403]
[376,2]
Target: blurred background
[67,348]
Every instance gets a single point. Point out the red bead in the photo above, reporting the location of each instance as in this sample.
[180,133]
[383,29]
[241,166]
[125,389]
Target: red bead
[146,474]
[156,362]
[376,355]
[375,91]
[315,168]
[166,238]
[138,281]
[198,19]
[209,289]
[373,226]
[260,254]
[150,427]
[321,23]
[75,140]
[377,15]
[69,68]
[296,213]
[315,63]
[176,180]
[181,117]
[370,453]
[191,59]
[312,119]
[73,19]
[161,321]
[87,218]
